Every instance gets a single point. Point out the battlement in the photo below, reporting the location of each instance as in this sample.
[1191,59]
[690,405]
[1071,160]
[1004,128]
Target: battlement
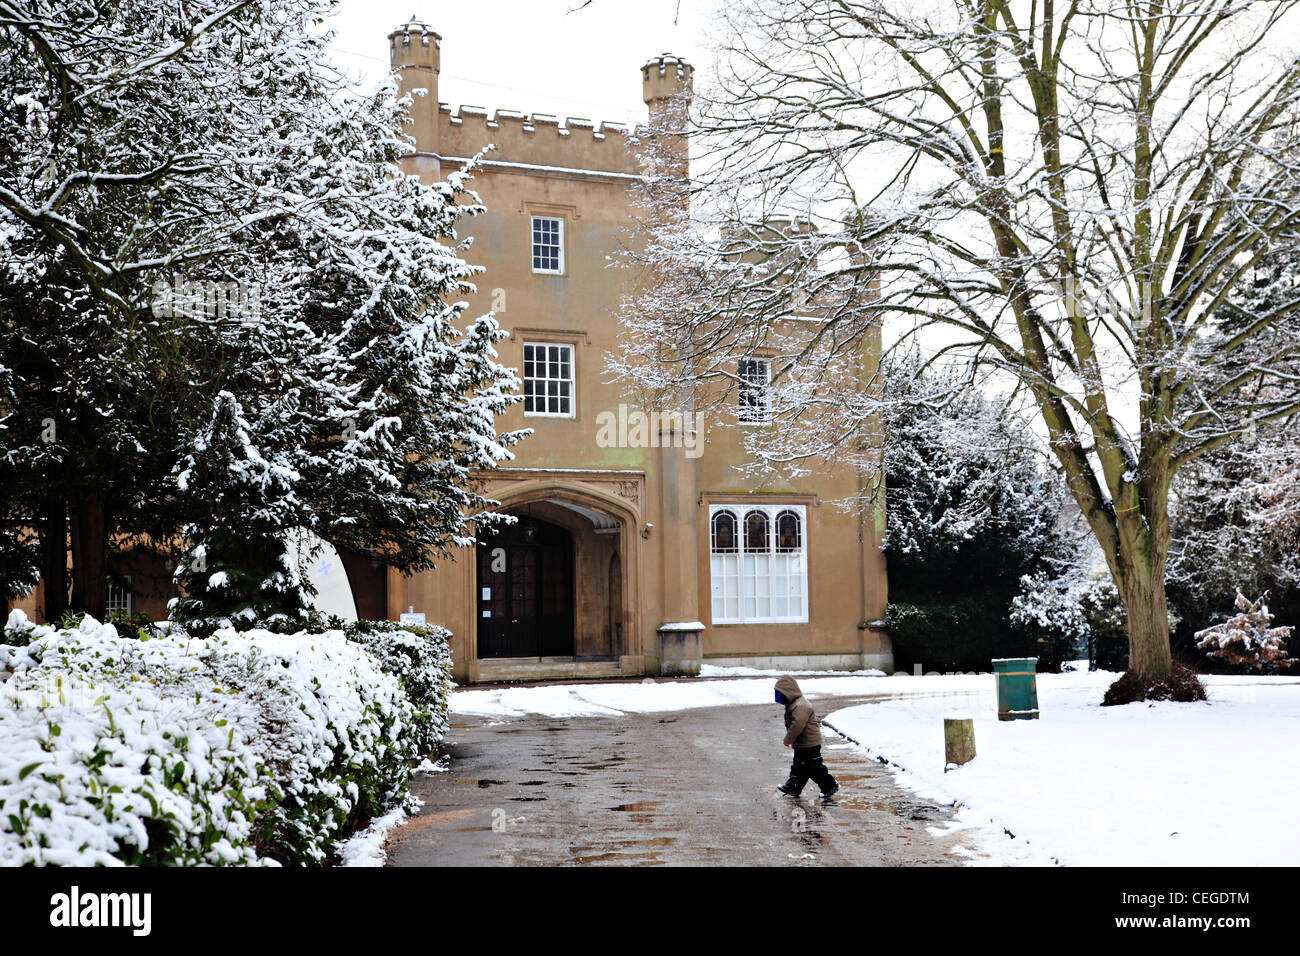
[519,138]
[414,44]
[539,139]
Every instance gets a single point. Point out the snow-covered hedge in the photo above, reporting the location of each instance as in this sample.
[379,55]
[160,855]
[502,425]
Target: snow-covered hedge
[420,657]
[239,748]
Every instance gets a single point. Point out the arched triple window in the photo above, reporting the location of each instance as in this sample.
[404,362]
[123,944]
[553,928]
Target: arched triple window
[763,577]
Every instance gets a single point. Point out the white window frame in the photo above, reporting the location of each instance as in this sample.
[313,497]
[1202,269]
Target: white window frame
[532,244]
[763,388]
[572,380]
[728,569]
[125,589]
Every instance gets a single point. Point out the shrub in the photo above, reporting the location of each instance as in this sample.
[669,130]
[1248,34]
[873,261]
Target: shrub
[236,748]
[1182,684]
[420,657]
[1048,613]
[137,625]
[1248,641]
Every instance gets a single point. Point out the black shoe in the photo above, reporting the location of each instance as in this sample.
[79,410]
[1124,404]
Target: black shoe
[789,789]
[827,794]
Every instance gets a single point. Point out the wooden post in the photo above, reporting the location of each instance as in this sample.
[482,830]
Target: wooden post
[958,740]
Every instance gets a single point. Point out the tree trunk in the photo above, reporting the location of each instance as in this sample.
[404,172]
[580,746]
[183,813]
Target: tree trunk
[89,555]
[53,533]
[1142,591]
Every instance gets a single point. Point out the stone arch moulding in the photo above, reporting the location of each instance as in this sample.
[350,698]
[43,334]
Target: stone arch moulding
[620,497]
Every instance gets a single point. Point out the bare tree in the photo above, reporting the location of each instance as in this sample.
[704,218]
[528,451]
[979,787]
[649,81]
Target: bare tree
[1064,194]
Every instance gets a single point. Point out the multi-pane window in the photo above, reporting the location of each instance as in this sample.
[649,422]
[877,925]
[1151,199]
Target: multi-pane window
[119,597]
[548,244]
[548,379]
[755,374]
[758,564]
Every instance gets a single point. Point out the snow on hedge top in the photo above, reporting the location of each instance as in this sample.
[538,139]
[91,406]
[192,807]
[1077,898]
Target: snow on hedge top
[184,750]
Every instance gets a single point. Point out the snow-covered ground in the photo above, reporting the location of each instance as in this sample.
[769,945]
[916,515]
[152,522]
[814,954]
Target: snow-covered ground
[367,847]
[649,696]
[713,670]
[1146,784]
[1159,784]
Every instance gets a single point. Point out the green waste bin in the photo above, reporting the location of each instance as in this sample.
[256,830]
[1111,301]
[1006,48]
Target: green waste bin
[1017,688]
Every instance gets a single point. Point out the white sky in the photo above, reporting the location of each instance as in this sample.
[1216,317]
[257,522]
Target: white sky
[536,56]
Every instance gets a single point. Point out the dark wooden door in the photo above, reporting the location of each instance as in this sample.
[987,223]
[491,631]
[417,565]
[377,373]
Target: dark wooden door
[525,589]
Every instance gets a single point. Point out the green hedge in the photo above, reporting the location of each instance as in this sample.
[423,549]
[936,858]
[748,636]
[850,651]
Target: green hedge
[960,634]
[238,748]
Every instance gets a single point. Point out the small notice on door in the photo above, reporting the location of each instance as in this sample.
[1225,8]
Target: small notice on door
[412,617]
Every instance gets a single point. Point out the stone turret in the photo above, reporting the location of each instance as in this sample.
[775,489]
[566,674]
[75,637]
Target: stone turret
[667,83]
[415,55]
[664,78]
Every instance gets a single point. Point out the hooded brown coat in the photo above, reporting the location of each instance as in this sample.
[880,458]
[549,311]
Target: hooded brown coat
[802,728]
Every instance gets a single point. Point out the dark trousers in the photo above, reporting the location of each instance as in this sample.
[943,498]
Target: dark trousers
[808,765]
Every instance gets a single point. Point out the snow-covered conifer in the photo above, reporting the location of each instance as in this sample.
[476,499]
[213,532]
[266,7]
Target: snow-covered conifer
[1248,639]
[193,203]
[237,570]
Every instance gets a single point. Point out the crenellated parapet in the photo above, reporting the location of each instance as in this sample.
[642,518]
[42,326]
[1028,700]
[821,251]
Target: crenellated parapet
[519,138]
[537,139]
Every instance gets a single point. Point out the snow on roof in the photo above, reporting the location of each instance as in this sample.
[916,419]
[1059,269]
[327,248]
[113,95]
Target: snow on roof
[529,121]
[665,60]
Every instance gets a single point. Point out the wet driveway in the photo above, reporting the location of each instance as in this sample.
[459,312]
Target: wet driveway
[689,788]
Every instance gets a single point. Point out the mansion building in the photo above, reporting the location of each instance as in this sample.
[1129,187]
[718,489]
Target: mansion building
[629,558]
[625,561]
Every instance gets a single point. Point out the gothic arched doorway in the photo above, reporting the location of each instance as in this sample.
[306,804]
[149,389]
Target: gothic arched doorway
[525,587]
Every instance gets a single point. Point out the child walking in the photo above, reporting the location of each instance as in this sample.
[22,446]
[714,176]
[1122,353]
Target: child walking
[803,733]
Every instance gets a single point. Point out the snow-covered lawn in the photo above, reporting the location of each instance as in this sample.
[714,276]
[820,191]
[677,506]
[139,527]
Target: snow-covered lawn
[713,670]
[1147,784]
[650,696]
[1162,784]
